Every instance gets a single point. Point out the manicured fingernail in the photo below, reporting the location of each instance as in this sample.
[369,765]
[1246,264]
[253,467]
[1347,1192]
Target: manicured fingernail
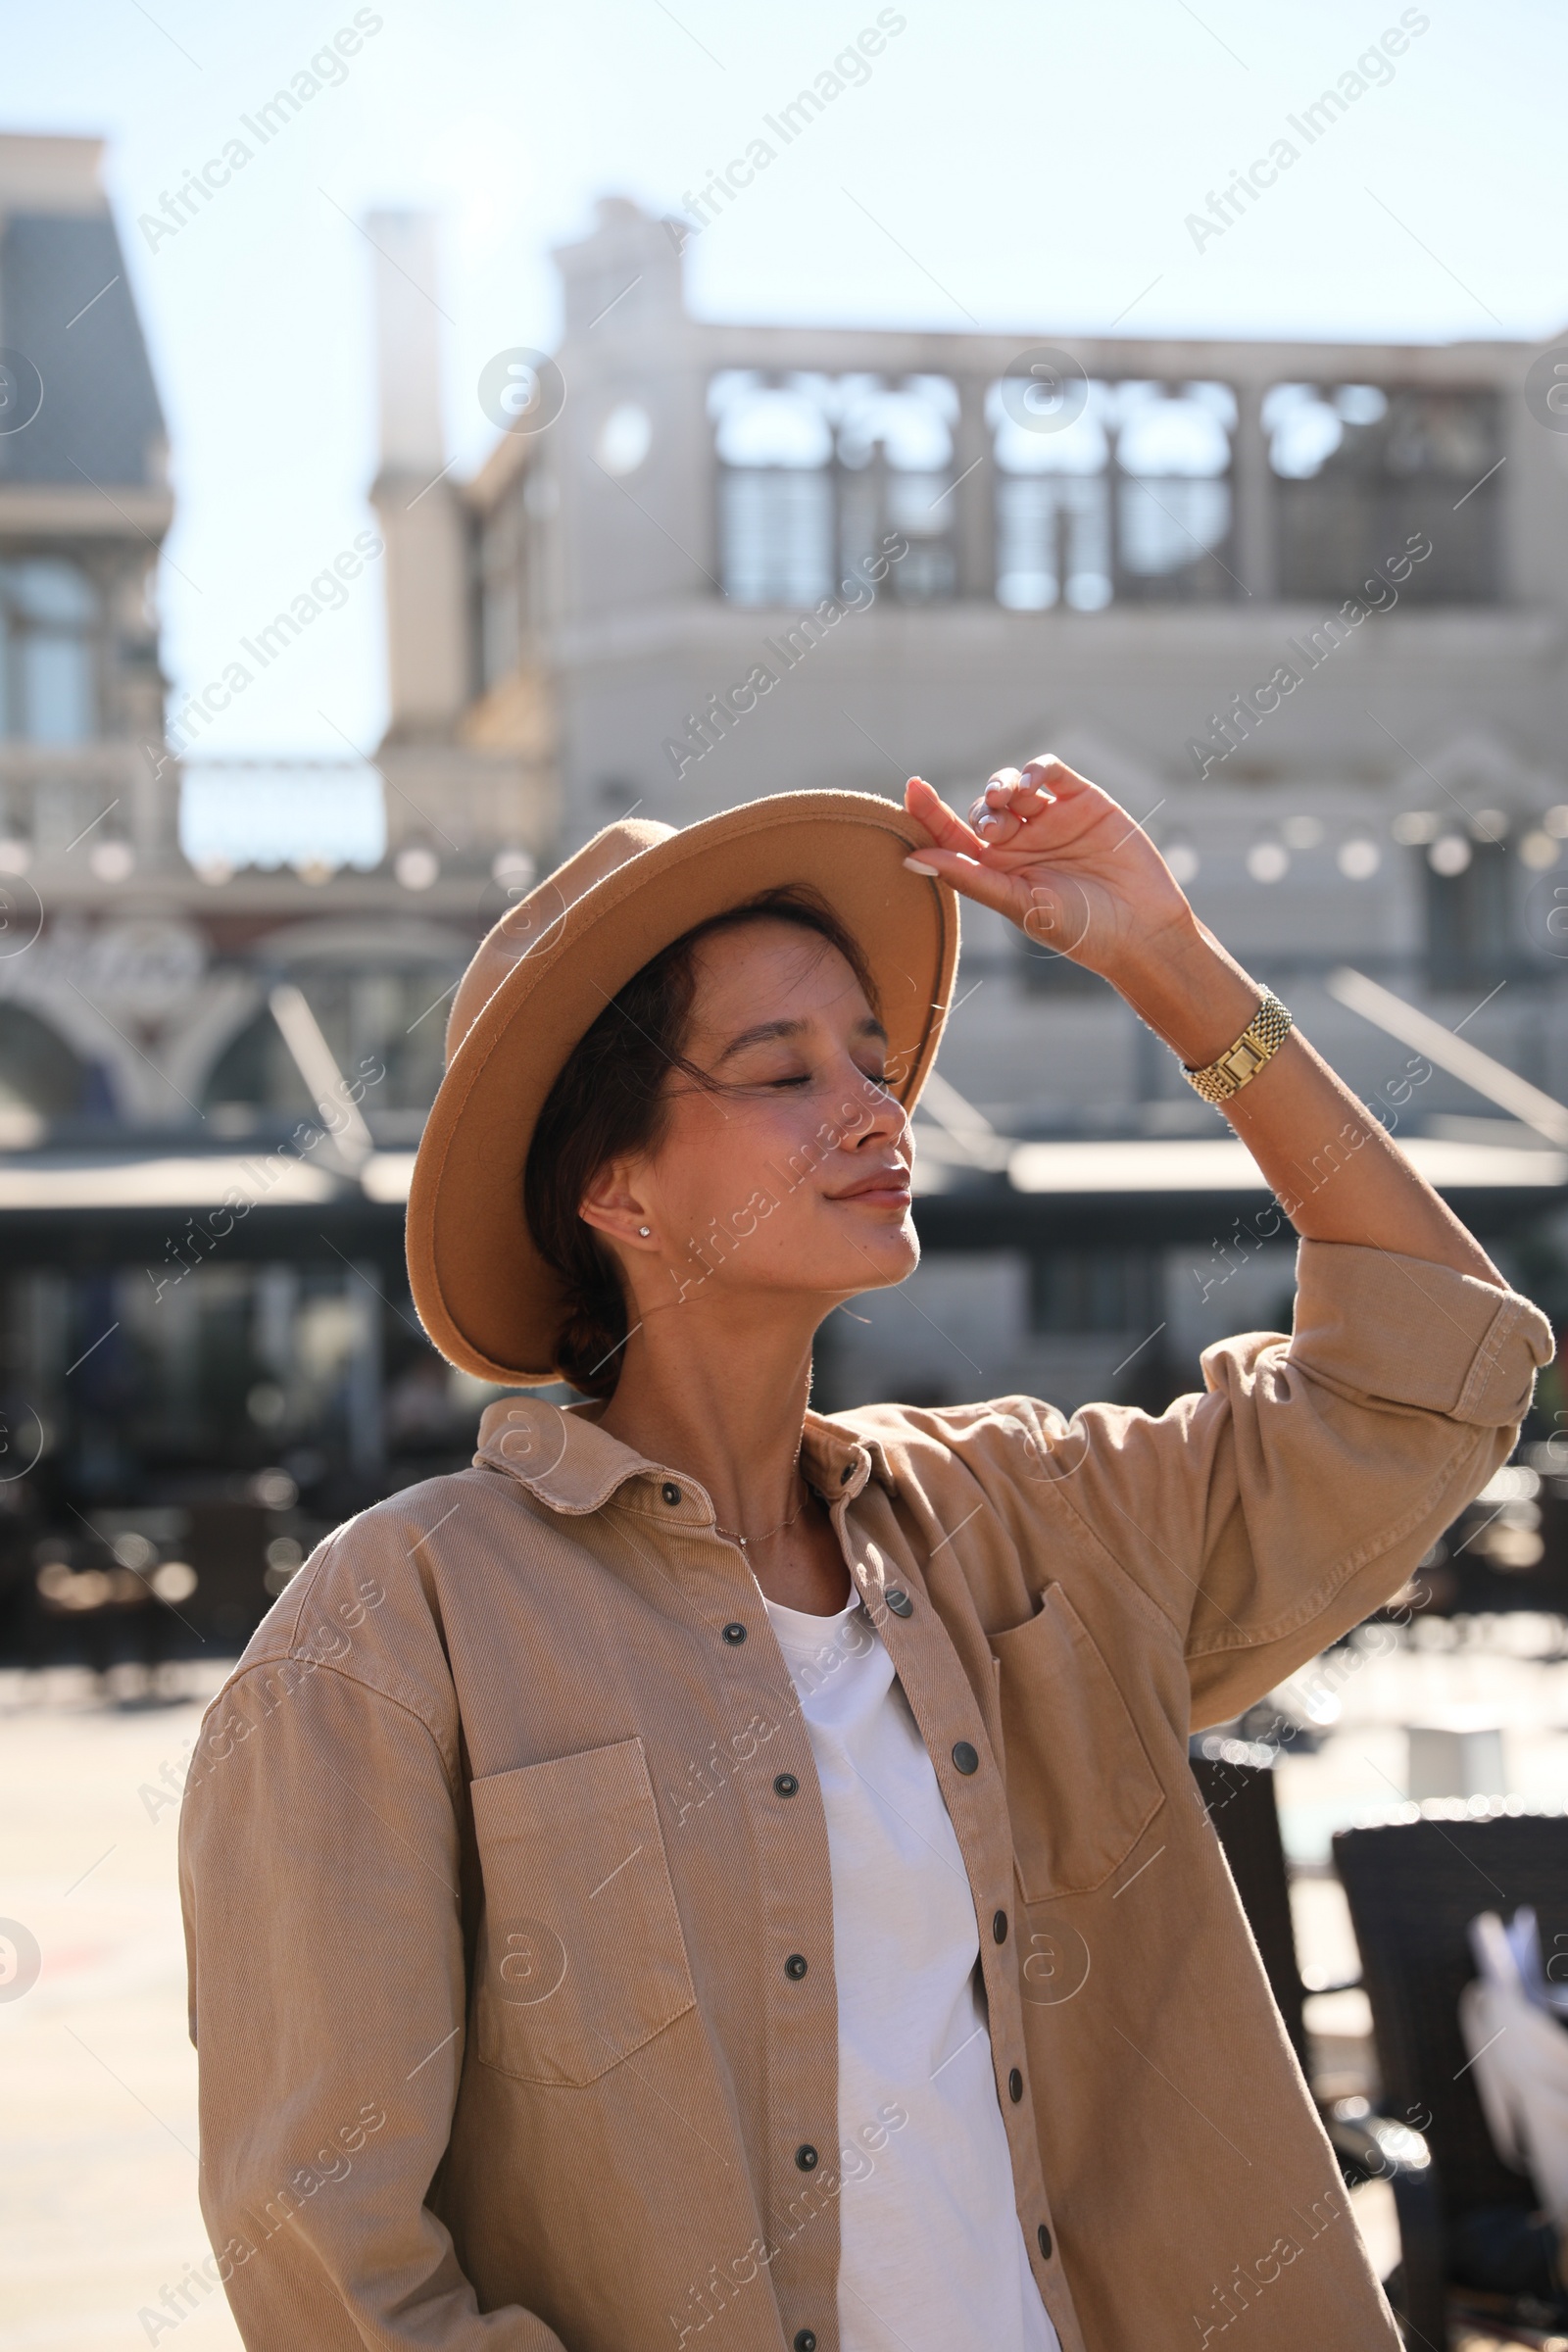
[915,867]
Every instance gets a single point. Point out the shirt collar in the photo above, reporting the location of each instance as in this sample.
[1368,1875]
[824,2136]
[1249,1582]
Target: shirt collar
[557,1452]
[569,1463]
[839,1461]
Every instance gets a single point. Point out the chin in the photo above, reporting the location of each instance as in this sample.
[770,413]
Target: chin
[885,1256]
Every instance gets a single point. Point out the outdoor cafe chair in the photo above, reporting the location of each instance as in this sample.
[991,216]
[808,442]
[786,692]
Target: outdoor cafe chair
[1475,2251]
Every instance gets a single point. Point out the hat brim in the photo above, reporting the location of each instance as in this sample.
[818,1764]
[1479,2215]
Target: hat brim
[487,1299]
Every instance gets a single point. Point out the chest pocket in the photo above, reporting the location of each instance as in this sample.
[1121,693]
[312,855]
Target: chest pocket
[580,1957]
[1080,1790]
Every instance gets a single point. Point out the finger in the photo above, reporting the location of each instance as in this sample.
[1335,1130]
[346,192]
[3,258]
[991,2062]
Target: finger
[1009,799]
[1021,791]
[1046,772]
[942,823]
[994,821]
[981,883]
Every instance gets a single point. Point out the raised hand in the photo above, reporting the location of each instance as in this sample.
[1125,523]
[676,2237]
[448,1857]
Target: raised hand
[1060,858]
[1074,871]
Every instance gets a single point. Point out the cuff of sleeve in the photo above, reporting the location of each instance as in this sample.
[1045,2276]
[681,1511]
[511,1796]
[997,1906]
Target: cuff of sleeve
[1417,1334]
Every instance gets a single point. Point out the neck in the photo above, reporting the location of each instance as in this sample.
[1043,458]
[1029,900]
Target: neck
[721,1393]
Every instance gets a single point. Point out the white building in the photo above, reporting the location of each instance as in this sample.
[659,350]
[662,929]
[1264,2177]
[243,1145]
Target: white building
[1302,607]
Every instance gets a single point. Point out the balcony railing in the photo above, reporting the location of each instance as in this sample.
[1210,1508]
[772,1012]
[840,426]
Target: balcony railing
[1107,492]
[89,812]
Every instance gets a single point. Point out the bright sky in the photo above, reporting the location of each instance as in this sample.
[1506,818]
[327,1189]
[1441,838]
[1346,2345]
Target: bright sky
[1035,162]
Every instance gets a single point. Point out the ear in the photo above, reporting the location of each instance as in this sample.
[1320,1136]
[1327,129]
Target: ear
[613,1206]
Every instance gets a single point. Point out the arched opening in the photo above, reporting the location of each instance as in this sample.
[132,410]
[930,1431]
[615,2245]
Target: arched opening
[40,1075]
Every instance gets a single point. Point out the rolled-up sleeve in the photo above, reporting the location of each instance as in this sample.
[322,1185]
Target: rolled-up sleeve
[320,1879]
[1268,1515]
[1314,1473]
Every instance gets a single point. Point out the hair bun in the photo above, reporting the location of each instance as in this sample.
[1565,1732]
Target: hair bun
[591,1336]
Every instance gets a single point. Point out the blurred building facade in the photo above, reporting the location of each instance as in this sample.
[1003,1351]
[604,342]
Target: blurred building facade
[210,1080]
[1300,606]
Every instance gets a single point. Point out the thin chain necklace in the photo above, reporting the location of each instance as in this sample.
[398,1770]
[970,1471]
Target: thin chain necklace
[746,1542]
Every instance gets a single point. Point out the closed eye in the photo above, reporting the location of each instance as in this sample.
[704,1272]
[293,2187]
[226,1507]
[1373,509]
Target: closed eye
[799,1078]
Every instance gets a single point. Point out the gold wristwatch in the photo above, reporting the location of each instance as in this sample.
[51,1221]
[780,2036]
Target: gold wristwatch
[1259,1042]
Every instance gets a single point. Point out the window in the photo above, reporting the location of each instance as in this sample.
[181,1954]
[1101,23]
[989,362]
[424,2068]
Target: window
[48,615]
[1124,499]
[501,556]
[1364,472]
[1470,932]
[507,551]
[1094,1288]
[393,1017]
[38,1071]
[815,472]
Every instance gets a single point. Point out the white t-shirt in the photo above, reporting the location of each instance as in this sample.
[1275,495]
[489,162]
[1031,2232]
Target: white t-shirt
[932,2256]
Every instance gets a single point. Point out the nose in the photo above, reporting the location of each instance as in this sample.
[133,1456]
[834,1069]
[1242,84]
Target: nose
[881,1118]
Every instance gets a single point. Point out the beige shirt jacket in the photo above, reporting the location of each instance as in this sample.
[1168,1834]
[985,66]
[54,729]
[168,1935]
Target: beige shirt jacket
[497,1840]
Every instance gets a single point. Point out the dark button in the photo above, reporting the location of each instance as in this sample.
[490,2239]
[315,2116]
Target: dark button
[846,1474]
[1015,2086]
[999,1926]
[805,2341]
[671,1491]
[786,1785]
[734,1634]
[966,1758]
[900,1603]
[806,2158]
[1044,2236]
[795,1966]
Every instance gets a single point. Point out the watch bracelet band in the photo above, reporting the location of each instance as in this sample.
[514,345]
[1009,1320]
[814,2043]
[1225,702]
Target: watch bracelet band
[1257,1045]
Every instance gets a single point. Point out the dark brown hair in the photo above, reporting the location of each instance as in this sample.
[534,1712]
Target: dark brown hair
[610,1100]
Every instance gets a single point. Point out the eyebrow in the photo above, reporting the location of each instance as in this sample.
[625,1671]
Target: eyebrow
[767,1030]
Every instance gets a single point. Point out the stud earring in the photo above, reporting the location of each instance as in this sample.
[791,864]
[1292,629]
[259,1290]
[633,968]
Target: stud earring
[645,1231]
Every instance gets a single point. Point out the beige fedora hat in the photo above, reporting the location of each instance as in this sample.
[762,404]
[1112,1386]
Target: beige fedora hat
[542,977]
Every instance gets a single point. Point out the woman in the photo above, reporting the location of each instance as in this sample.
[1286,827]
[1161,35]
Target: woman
[710,1872]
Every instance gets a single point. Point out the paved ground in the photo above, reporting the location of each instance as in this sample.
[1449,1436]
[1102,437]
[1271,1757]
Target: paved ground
[98,2209]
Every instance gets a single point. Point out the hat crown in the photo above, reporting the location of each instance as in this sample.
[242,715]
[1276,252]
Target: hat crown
[533,922]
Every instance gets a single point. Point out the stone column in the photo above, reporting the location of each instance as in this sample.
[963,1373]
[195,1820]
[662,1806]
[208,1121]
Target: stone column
[429,659]
[975,523]
[1254,535]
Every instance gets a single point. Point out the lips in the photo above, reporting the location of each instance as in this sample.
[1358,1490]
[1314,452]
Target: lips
[882,1184]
